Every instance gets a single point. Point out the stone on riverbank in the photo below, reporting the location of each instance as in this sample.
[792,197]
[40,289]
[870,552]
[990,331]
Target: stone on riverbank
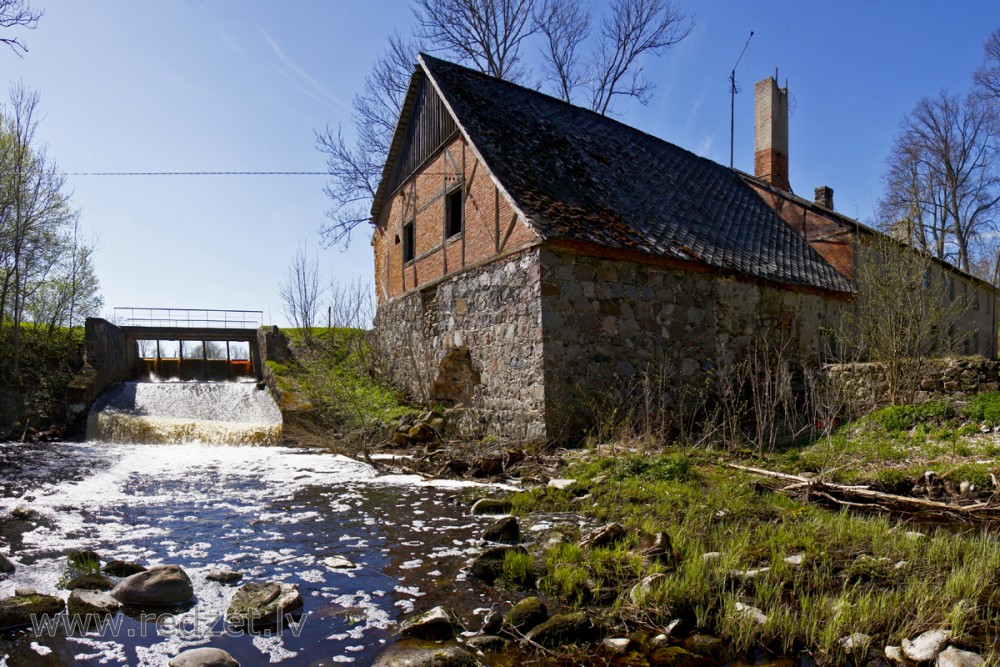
[953,657]
[203,657]
[486,643]
[641,590]
[489,564]
[16,612]
[263,603]
[572,628]
[525,615]
[159,585]
[503,530]
[402,655]
[83,602]
[491,506]
[603,536]
[655,548]
[436,623]
[927,646]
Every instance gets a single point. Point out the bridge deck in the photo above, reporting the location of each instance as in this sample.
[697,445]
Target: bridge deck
[188,333]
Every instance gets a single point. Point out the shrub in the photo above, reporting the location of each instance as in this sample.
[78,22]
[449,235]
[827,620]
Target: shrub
[904,417]
[984,408]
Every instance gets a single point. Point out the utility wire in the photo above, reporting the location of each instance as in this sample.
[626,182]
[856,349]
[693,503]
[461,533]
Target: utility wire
[195,173]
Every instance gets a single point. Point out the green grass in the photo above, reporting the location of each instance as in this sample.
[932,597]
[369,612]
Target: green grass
[848,582]
[333,369]
[518,569]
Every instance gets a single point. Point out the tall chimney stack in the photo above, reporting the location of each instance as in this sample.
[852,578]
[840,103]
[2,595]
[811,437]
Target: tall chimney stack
[770,138]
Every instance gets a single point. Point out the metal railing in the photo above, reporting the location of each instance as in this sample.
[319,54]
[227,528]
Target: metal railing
[187,318]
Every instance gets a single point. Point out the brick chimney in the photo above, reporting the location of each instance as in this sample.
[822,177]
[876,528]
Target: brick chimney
[824,196]
[770,137]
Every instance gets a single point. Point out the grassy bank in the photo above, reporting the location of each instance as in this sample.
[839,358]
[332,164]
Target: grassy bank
[332,369]
[818,574]
[35,397]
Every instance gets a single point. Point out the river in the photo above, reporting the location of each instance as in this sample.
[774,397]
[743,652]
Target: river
[274,513]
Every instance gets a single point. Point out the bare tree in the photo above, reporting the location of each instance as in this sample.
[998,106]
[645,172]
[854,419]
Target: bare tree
[987,77]
[300,292]
[484,33]
[565,25]
[634,28]
[943,179]
[355,168]
[17,14]
[903,313]
[489,36]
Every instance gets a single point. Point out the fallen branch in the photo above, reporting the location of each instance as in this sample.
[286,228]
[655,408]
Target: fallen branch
[883,501]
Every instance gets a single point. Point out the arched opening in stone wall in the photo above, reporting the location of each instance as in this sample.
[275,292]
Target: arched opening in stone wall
[457,377]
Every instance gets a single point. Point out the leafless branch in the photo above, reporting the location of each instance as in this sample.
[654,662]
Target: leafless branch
[17,14]
[565,25]
[987,77]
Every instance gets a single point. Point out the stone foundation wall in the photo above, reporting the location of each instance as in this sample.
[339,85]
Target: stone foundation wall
[606,321]
[474,339]
[939,378]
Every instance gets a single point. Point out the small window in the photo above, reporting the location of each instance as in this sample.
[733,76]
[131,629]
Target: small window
[927,279]
[975,299]
[965,294]
[951,289]
[973,347]
[454,218]
[408,242]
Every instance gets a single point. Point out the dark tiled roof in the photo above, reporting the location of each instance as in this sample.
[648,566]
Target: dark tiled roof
[581,176]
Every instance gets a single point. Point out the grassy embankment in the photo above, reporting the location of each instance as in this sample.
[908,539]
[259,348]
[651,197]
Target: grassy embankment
[36,396]
[859,572]
[333,371]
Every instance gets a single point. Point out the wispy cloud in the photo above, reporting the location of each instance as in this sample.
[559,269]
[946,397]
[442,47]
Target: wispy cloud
[306,84]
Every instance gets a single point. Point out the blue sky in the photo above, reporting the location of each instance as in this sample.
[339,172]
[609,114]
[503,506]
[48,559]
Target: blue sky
[216,85]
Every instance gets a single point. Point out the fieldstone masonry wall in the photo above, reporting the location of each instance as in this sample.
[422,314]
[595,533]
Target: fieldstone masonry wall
[475,338]
[951,377]
[606,320]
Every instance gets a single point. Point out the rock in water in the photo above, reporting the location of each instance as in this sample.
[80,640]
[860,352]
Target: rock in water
[159,585]
[525,615]
[16,612]
[436,623]
[263,603]
[6,566]
[927,646]
[503,530]
[83,602]
[223,576]
[491,506]
[401,655]
[92,581]
[562,629]
[122,568]
[204,657]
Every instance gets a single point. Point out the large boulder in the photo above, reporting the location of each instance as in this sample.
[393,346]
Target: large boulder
[159,585]
[436,623]
[84,602]
[525,615]
[203,657]
[403,655]
[264,603]
[491,506]
[572,628]
[16,612]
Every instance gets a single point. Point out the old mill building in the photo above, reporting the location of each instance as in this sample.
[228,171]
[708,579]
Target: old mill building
[530,254]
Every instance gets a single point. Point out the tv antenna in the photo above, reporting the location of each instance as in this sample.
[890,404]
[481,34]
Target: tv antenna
[732,98]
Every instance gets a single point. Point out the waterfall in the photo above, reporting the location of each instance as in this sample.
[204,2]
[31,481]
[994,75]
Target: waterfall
[178,412]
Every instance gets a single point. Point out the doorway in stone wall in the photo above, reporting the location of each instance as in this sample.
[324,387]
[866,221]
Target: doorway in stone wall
[457,377]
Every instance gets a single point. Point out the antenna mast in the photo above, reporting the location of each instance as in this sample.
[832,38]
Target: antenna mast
[732,98]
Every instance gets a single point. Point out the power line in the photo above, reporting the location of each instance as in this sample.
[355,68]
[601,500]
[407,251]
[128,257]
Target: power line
[195,173]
